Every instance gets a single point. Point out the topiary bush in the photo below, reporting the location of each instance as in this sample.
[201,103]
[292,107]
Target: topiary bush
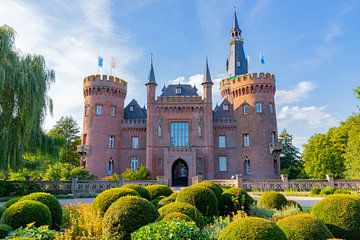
[176,216]
[252,228]
[104,200]
[166,200]
[272,200]
[201,197]
[217,190]
[2,210]
[341,214]
[52,203]
[4,230]
[342,191]
[126,215]
[23,212]
[236,199]
[184,208]
[11,201]
[315,191]
[158,190]
[304,226]
[327,191]
[171,230]
[144,193]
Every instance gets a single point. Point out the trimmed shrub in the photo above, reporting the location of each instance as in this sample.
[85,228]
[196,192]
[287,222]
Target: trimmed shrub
[217,190]
[11,201]
[126,215]
[4,230]
[158,190]
[104,200]
[201,197]
[166,200]
[176,216]
[144,193]
[252,228]
[184,208]
[23,212]
[52,203]
[2,210]
[304,226]
[341,214]
[327,191]
[164,230]
[315,191]
[291,203]
[272,200]
[236,199]
[342,191]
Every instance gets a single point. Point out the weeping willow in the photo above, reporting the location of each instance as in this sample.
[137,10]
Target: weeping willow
[24,102]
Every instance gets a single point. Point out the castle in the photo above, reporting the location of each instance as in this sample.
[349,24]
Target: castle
[179,135]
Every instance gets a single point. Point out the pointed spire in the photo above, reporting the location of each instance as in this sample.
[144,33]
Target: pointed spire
[195,87]
[207,76]
[235,25]
[151,76]
[163,89]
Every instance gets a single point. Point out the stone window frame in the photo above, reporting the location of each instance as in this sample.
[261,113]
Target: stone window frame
[258,107]
[112,111]
[223,163]
[87,111]
[110,169]
[220,145]
[134,144]
[134,163]
[273,137]
[247,164]
[246,140]
[111,141]
[98,109]
[271,107]
[246,109]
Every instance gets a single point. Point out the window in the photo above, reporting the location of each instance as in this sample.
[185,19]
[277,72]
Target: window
[247,166]
[84,139]
[112,141]
[134,163]
[87,111]
[112,111]
[179,134]
[271,108]
[258,107]
[246,140]
[178,90]
[246,109]
[98,110]
[226,107]
[222,163]
[131,108]
[110,167]
[135,142]
[238,64]
[222,142]
[273,136]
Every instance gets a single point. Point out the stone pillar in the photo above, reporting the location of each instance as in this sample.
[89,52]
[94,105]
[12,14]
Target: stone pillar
[238,178]
[162,180]
[196,179]
[330,179]
[285,180]
[74,185]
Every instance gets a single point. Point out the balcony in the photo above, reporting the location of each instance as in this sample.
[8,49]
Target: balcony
[83,149]
[275,147]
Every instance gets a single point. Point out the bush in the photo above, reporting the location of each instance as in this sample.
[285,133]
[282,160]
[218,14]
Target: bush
[236,199]
[291,203]
[342,191]
[33,233]
[304,226]
[176,216]
[81,173]
[166,200]
[144,193]
[141,174]
[286,211]
[217,190]
[18,188]
[24,212]
[261,212]
[201,197]
[315,191]
[52,203]
[184,208]
[158,190]
[170,230]
[11,201]
[252,228]
[341,214]
[4,230]
[126,215]
[103,201]
[2,210]
[272,200]
[327,191]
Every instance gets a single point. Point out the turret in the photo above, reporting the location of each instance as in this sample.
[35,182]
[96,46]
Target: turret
[207,84]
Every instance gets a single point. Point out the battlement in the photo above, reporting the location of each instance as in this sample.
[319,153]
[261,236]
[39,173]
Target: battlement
[250,78]
[99,80]
[180,99]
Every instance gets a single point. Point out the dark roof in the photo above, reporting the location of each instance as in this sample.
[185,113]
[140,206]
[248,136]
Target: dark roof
[235,25]
[207,76]
[151,76]
[137,112]
[186,90]
[220,113]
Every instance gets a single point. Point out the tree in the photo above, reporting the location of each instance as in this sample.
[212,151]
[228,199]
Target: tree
[24,83]
[352,155]
[141,174]
[357,92]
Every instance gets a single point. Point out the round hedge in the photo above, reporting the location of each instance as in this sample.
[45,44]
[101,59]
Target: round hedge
[11,201]
[158,190]
[4,230]
[241,197]
[304,226]
[341,214]
[201,197]
[184,208]
[252,228]
[104,200]
[177,215]
[144,193]
[24,212]
[52,203]
[272,200]
[2,210]
[166,200]
[217,190]
[126,215]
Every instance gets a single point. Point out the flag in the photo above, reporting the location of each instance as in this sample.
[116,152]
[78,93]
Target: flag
[100,61]
[113,62]
[262,59]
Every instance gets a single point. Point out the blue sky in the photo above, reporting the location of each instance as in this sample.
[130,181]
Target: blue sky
[311,46]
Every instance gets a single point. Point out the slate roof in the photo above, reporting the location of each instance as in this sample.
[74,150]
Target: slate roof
[220,113]
[186,90]
[137,113]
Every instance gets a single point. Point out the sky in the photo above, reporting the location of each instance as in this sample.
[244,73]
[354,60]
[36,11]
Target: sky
[312,47]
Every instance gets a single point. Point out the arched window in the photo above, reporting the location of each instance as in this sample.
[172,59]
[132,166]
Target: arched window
[247,166]
[276,167]
[110,167]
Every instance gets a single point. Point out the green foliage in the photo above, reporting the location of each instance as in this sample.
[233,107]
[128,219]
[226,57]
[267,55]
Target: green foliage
[33,233]
[2,210]
[126,215]
[170,230]
[11,201]
[4,230]
[327,191]
[357,92]
[252,228]
[17,188]
[141,174]
[342,191]
[217,190]
[140,189]
[158,190]
[58,171]
[24,212]
[286,211]
[81,173]
[184,208]
[104,200]
[52,203]
[315,191]
[272,200]
[304,226]
[166,200]
[261,212]
[291,203]
[177,215]
[341,214]
[236,199]
[201,197]
[352,151]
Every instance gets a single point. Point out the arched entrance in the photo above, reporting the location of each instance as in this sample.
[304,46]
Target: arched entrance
[180,173]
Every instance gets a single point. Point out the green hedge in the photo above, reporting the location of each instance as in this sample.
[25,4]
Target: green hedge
[11,201]
[104,200]
[217,190]
[18,188]
[2,210]
[184,208]
[251,228]
[236,199]
[272,200]
[144,193]
[4,230]
[176,216]
[23,212]
[341,214]
[166,200]
[158,190]
[126,215]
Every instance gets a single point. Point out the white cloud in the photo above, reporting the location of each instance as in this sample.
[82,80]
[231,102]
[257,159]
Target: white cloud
[259,9]
[334,31]
[299,92]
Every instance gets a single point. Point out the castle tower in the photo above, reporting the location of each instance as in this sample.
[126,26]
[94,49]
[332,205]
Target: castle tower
[103,112]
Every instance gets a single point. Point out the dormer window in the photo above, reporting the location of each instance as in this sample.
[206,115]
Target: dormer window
[226,107]
[178,90]
[131,108]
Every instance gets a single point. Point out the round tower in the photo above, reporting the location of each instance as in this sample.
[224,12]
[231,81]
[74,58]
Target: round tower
[103,113]
[252,96]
